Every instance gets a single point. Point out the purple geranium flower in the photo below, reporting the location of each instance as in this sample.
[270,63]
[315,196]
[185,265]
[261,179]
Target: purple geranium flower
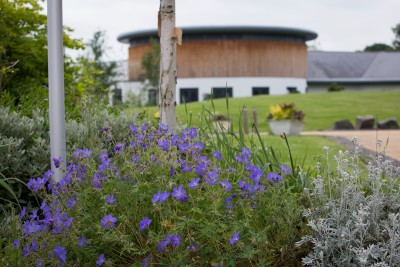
[82,241]
[61,253]
[146,261]
[217,155]
[235,238]
[160,197]
[100,260]
[108,221]
[176,240]
[226,185]
[194,183]
[110,199]
[274,178]
[179,193]
[163,243]
[133,129]
[144,224]
[285,170]
[71,202]
[57,162]
[212,178]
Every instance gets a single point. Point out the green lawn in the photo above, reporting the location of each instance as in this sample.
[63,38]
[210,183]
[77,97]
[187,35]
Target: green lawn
[321,111]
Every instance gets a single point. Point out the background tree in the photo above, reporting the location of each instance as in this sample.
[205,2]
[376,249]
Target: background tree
[150,77]
[396,42]
[378,47]
[23,49]
[96,75]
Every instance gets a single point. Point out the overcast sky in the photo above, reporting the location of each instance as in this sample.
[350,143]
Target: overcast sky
[342,25]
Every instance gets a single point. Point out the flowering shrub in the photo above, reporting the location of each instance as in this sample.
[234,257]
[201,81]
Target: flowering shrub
[285,112]
[155,197]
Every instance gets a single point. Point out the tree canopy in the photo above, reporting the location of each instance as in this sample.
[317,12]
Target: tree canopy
[23,46]
[386,47]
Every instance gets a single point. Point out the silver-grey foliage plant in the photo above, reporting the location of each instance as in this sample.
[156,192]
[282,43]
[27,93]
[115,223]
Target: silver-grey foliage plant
[354,216]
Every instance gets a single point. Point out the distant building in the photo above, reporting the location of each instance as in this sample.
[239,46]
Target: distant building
[239,61]
[247,61]
[353,70]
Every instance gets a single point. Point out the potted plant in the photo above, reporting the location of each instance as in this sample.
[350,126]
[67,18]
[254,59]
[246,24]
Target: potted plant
[285,118]
[221,122]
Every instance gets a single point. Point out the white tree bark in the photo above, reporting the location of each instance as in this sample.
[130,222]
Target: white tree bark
[167,63]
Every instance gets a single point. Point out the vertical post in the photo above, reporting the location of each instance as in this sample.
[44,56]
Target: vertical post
[255,118]
[245,120]
[56,84]
[168,71]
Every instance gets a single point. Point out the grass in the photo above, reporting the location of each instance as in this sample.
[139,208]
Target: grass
[321,109]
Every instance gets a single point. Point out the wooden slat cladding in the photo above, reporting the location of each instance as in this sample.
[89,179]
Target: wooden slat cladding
[233,58]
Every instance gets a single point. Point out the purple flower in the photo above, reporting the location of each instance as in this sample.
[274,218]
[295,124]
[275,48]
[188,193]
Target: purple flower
[176,240]
[179,193]
[160,197]
[146,261]
[22,214]
[256,174]
[171,171]
[144,127]
[212,178]
[133,129]
[163,243]
[144,224]
[217,155]
[25,251]
[105,129]
[285,170]
[197,147]
[274,178]
[61,253]
[135,159]
[110,199]
[108,221]
[34,245]
[100,260]
[71,202]
[226,185]
[57,162]
[228,203]
[163,144]
[186,167]
[194,183]
[119,147]
[82,241]
[235,238]
[17,243]
[40,263]
[82,153]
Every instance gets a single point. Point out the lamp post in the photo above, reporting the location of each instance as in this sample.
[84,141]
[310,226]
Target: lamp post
[56,84]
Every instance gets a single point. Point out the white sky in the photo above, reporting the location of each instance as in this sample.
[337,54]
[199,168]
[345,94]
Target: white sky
[342,25]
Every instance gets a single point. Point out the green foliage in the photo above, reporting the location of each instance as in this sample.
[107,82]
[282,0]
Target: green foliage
[96,76]
[396,42]
[334,87]
[135,169]
[378,47]
[23,47]
[151,65]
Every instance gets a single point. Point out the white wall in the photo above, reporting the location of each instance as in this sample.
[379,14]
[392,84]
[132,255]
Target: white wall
[241,86]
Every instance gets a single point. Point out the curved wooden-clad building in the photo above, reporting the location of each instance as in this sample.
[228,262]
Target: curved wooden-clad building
[247,60]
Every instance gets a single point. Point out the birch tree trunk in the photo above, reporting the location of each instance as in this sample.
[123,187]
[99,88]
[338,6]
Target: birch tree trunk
[168,71]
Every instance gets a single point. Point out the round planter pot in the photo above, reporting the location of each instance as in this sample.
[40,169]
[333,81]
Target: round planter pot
[289,127]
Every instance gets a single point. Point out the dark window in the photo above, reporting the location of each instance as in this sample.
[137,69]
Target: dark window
[292,90]
[260,90]
[189,95]
[117,97]
[221,92]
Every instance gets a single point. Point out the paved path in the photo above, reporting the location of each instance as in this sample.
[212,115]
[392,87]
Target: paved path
[367,138]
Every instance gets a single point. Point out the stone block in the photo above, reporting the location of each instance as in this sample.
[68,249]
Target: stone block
[343,125]
[390,123]
[365,122]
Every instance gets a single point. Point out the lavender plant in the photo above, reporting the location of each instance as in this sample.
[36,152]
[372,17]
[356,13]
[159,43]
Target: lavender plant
[155,197]
[354,216]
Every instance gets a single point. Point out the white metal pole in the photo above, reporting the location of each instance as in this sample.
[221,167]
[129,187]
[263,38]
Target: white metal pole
[56,84]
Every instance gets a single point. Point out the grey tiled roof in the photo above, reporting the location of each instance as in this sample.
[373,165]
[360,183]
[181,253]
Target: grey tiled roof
[353,65]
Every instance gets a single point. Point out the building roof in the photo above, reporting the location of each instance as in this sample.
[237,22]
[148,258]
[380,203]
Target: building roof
[225,32]
[353,67]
